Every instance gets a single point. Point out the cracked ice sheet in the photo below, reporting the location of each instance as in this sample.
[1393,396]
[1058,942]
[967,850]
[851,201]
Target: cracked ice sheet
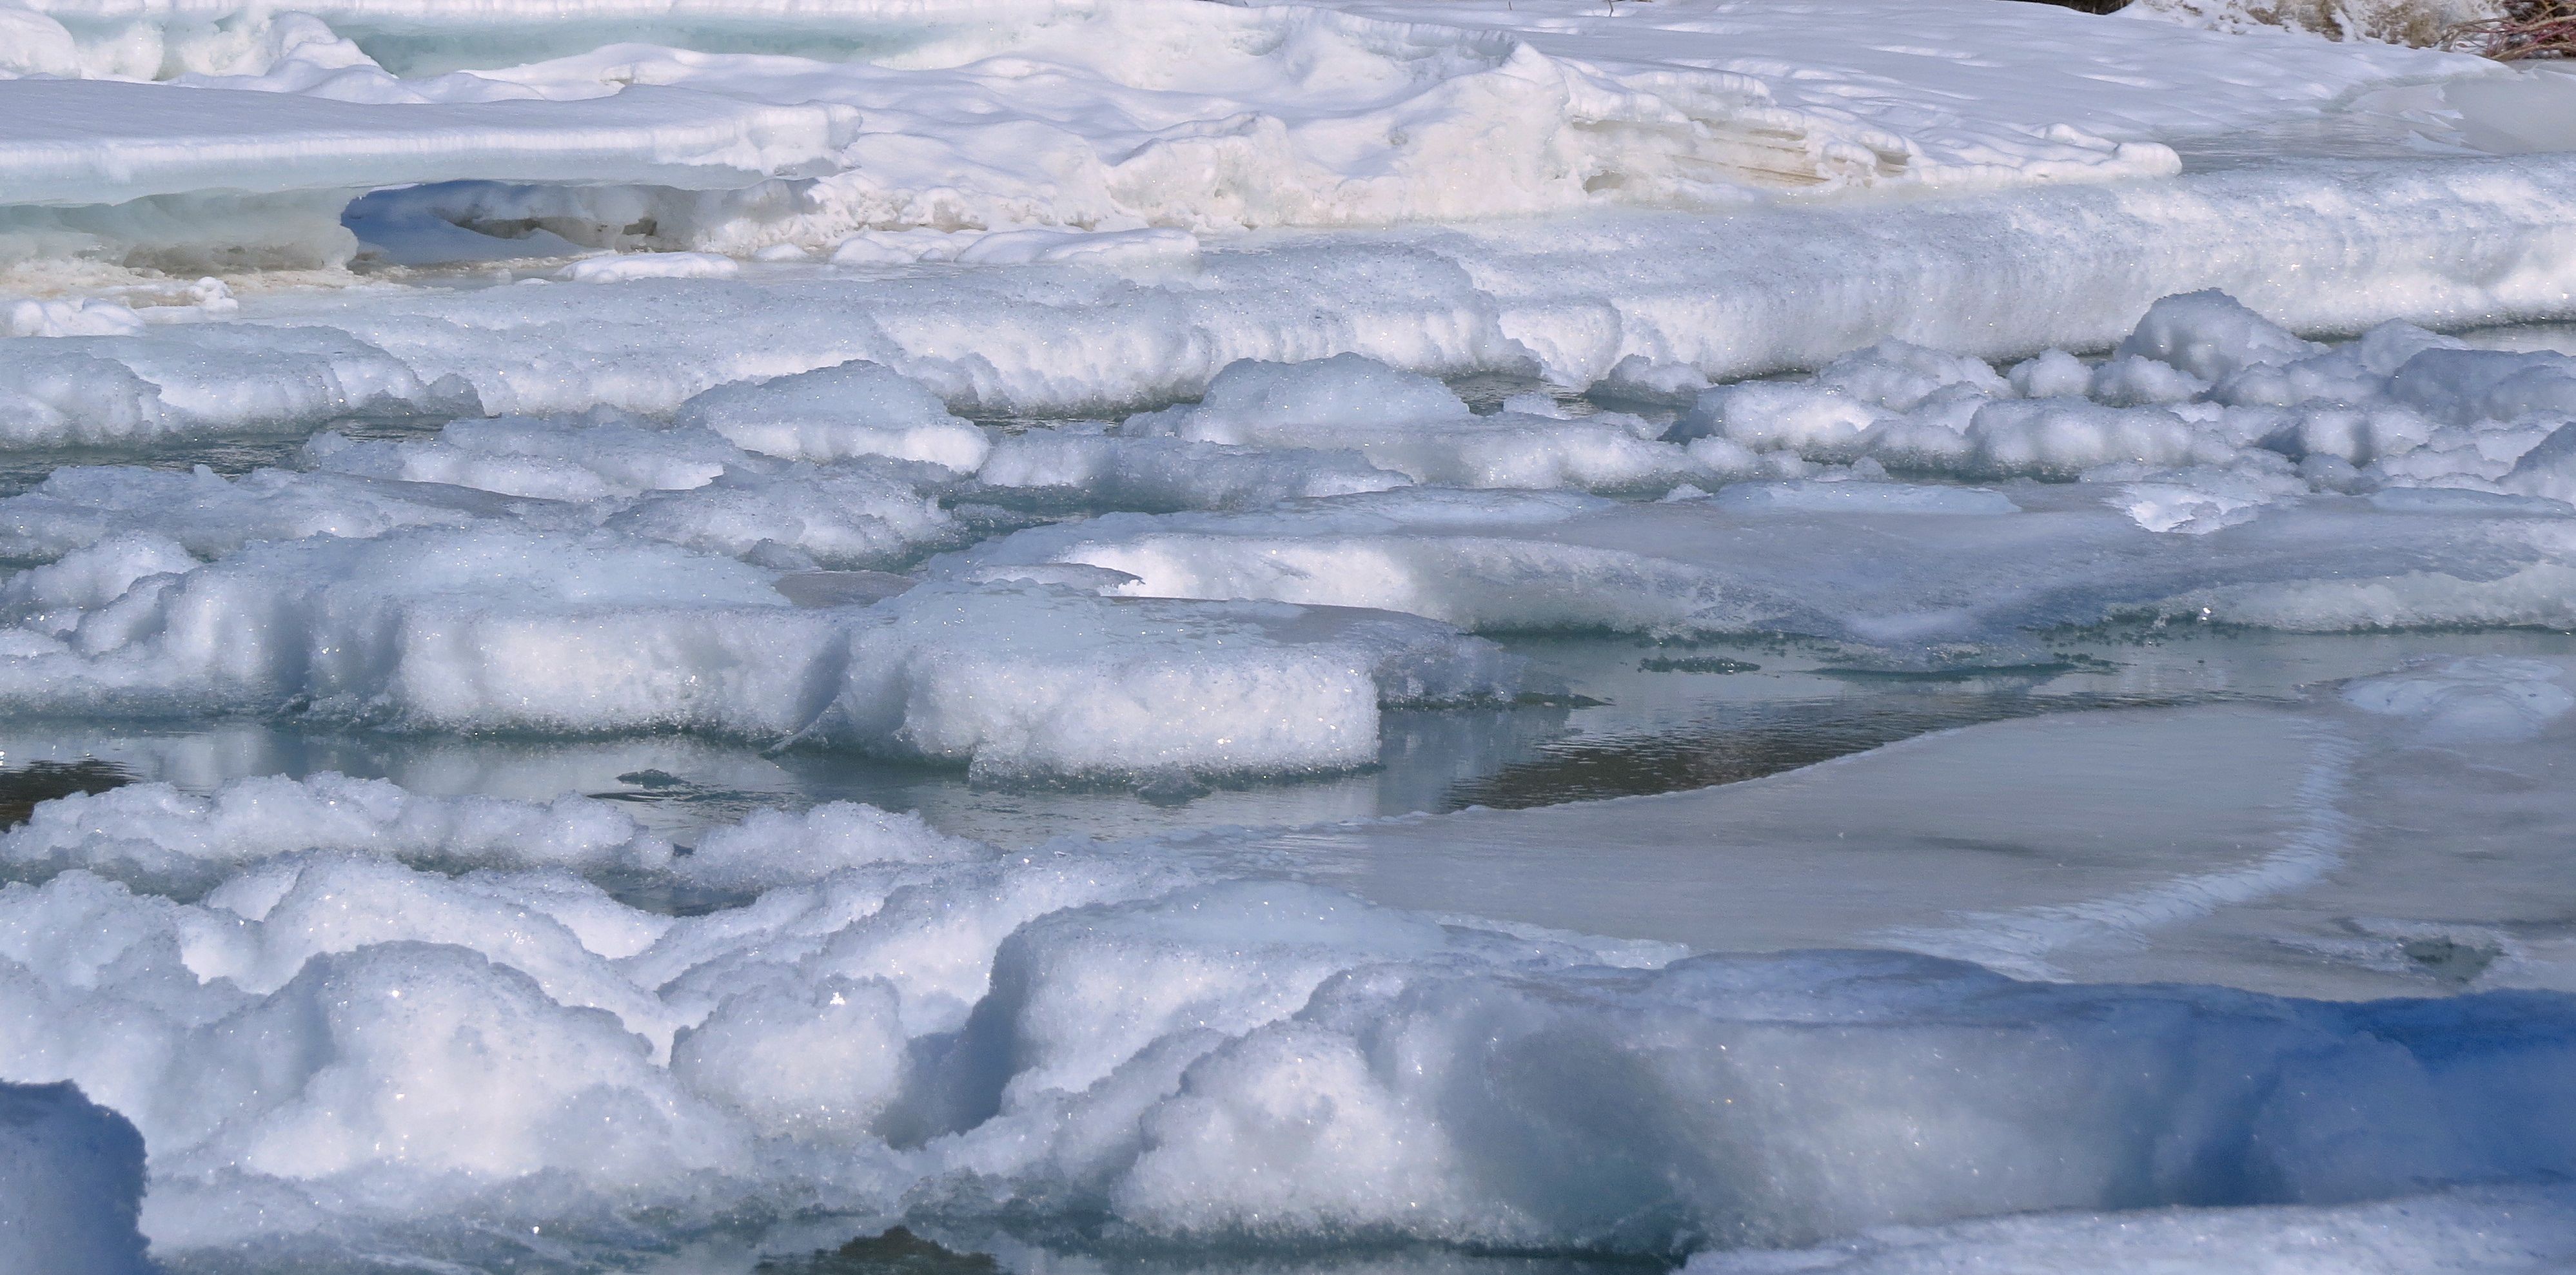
[2395,835]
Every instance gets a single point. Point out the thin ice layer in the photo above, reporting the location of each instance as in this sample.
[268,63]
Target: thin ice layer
[2395,834]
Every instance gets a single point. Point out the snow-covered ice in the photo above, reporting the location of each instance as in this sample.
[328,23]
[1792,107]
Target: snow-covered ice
[1864,635]
[1197,1052]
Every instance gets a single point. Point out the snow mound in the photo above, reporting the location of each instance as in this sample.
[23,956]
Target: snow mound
[834,413]
[329,1040]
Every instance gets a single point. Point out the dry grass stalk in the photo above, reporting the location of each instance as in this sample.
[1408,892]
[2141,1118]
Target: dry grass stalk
[2526,29]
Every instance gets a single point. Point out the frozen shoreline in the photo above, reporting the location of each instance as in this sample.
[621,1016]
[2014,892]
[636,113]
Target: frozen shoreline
[697,441]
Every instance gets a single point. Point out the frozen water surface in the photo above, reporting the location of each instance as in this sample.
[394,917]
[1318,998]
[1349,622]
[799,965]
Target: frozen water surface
[1502,639]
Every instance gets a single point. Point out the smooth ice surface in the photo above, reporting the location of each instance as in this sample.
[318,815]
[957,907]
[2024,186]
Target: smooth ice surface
[2483,1231]
[2388,837]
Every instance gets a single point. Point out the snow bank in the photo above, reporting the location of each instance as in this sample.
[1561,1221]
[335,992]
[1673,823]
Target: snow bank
[1571,300]
[333,1045]
[1071,132]
[2422,23]
[1167,114]
[71,1184]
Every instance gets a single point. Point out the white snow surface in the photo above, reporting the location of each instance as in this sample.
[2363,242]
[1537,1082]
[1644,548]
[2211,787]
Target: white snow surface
[2318,250]
[1070,394]
[339,1013]
[156,132]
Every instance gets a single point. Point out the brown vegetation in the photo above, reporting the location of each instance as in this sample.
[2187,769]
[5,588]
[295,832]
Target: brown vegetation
[2526,29]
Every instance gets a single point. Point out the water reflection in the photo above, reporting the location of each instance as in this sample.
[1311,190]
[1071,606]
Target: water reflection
[1643,718]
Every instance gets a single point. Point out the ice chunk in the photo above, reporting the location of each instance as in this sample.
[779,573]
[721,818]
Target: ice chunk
[200,380]
[1643,379]
[2212,336]
[468,629]
[51,597]
[2548,469]
[71,1180]
[1158,475]
[1417,427]
[2463,387]
[577,461]
[2135,381]
[155,837]
[1899,375]
[1034,680]
[2061,438]
[843,519]
[1256,401]
[820,1063]
[586,632]
[2400,407]
[1810,419]
[33,43]
[80,506]
[75,317]
[2054,374]
[770,848]
[854,409]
